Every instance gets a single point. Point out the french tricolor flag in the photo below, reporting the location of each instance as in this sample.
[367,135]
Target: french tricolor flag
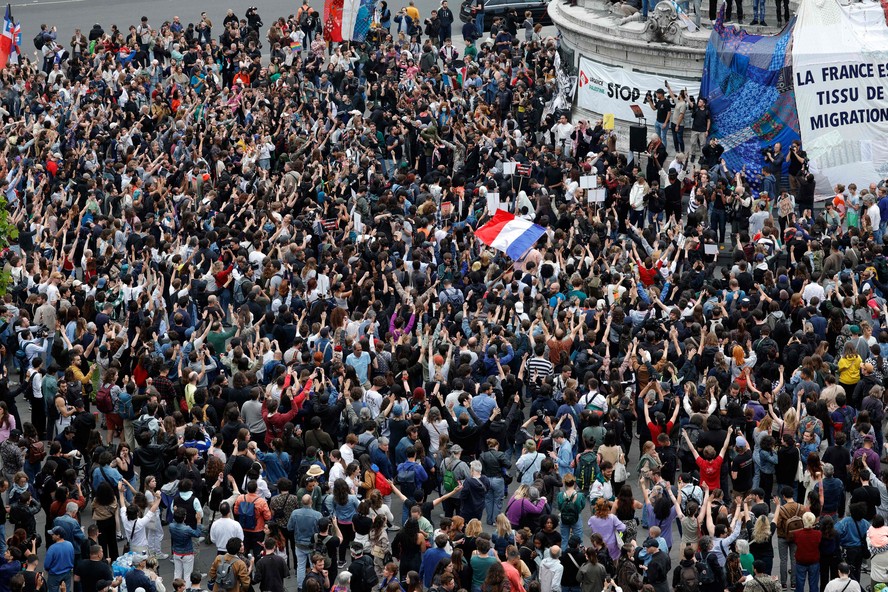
[514,236]
[7,38]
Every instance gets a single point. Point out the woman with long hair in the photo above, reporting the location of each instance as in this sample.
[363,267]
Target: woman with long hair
[123,462]
[849,371]
[460,568]
[496,580]
[345,505]
[380,547]
[32,440]
[104,512]
[503,536]
[765,463]
[7,422]
[660,511]
[408,546]
[830,553]
[624,508]
[812,473]
[648,461]
[154,529]
[761,533]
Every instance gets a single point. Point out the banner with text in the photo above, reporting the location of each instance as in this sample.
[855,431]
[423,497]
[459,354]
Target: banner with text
[605,89]
[840,90]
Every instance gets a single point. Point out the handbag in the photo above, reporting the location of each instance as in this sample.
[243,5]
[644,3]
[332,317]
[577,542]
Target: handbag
[620,472]
[126,545]
[866,551]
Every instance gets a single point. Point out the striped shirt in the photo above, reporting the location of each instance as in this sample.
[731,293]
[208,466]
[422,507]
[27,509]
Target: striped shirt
[538,369]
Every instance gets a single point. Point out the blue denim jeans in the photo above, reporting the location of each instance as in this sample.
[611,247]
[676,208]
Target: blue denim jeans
[812,572]
[661,128]
[53,582]
[493,499]
[566,531]
[302,557]
[758,10]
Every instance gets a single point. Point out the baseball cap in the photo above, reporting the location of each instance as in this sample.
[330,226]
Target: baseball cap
[651,542]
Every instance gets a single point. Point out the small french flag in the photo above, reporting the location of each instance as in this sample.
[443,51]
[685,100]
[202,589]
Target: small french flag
[514,236]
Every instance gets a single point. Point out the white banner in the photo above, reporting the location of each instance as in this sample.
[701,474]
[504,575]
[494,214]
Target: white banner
[606,89]
[841,90]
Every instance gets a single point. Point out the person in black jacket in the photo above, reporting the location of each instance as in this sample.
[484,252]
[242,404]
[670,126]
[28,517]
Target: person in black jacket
[474,492]
[712,575]
[658,569]
[364,577]
[271,569]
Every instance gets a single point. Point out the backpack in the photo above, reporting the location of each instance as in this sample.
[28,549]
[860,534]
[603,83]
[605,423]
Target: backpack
[693,433]
[570,513]
[689,579]
[124,406]
[847,414]
[382,484]
[406,480]
[450,482]
[143,424]
[693,495]
[36,451]
[586,467]
[791,524]
[39,40]
[226,579]
[103,399]
[246,513]
[188,506]
[881,265]
[320,548]
[707,574]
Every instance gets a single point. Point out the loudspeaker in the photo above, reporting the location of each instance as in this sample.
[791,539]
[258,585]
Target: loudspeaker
[637,138]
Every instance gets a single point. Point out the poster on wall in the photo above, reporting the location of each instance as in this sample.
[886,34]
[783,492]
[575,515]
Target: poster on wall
[841,91]
[606,89]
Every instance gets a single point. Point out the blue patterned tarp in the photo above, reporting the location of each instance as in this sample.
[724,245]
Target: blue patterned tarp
[747,80]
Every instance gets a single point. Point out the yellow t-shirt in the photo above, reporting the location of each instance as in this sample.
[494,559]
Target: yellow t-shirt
[849,369]
[413,13]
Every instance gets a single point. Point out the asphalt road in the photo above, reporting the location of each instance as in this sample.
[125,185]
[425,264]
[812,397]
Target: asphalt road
[69,15]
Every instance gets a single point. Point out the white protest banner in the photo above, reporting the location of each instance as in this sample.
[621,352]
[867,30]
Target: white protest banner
[605,89]
[840,91]
[596,195]
[588,182]
[509,168]
[493,202]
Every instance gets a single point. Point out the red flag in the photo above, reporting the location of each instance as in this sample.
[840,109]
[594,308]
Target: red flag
[7,39]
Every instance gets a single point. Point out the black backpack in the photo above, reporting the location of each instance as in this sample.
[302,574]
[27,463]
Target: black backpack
[688,579]
[320,548]
[39,40]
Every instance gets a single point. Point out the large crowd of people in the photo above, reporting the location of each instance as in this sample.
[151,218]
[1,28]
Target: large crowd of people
[246,310]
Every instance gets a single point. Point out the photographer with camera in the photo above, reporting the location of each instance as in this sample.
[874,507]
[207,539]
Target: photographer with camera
[797,167]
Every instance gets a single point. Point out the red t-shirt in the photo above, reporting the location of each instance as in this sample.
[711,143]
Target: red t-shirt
[656,430]
[710,471]
[648,276]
